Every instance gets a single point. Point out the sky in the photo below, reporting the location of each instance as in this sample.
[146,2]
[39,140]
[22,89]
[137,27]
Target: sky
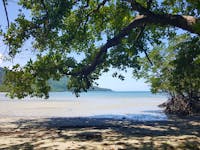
[106,80]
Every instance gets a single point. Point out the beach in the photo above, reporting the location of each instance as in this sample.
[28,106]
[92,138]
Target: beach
[82,108]
[94,122]
[89,133]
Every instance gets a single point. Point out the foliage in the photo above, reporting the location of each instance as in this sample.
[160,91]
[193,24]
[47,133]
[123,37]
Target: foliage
[176,70]
[55,86]
[106,34]
[3,88]
[175,67]
[186,75]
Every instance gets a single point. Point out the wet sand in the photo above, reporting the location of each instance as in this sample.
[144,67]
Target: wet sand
[79,108]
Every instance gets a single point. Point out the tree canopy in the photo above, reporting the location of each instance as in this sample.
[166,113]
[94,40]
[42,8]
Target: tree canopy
[106,33]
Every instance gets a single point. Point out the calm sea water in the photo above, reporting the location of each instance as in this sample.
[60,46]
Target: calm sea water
[104,95]
[140,105]
[92,95]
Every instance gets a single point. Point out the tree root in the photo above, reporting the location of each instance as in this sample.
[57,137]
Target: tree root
[180,105]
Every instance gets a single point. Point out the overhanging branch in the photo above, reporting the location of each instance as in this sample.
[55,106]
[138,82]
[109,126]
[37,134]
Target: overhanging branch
[138,21]
[183,22]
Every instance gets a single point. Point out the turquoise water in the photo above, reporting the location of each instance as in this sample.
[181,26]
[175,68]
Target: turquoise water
[104,95]
[96,95]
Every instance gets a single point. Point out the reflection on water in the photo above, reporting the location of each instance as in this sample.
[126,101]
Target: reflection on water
[136,117]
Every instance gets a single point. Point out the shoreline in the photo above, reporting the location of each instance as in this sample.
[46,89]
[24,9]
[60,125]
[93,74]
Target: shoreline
[109,124]
[135,109]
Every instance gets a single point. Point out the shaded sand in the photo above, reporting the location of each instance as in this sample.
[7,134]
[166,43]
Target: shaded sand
[89,133]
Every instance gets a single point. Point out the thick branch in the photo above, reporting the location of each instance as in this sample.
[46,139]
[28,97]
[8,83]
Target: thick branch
[187,23]
[183,22]
[138,21]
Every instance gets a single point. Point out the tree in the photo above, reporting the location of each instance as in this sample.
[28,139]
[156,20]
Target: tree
[176,71]
[101,31]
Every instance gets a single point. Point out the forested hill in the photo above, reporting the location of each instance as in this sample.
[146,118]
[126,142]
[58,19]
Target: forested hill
[60,86]
[57,86]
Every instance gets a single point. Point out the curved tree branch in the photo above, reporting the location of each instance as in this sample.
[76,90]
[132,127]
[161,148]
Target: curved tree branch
[184,22]
[187,23]
[138,21]
[181,21]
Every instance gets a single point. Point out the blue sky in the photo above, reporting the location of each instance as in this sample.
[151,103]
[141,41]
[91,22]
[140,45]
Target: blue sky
[106,80]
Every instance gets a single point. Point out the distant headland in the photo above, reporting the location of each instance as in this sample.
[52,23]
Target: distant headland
[56,86]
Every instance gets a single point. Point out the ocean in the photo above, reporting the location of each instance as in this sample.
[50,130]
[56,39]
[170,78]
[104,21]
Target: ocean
[104,94]
[136,105]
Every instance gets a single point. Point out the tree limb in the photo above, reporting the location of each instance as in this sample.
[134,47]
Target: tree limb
[5,9]
[147,56]
[142,28]
[138,21]
[183,22]
[137,41]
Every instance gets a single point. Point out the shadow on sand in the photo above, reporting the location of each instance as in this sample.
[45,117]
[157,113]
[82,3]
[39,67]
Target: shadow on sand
[94,133]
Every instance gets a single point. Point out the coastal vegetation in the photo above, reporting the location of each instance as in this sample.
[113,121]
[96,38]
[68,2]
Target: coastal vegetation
[176,71]
[108,34]
[2,86]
